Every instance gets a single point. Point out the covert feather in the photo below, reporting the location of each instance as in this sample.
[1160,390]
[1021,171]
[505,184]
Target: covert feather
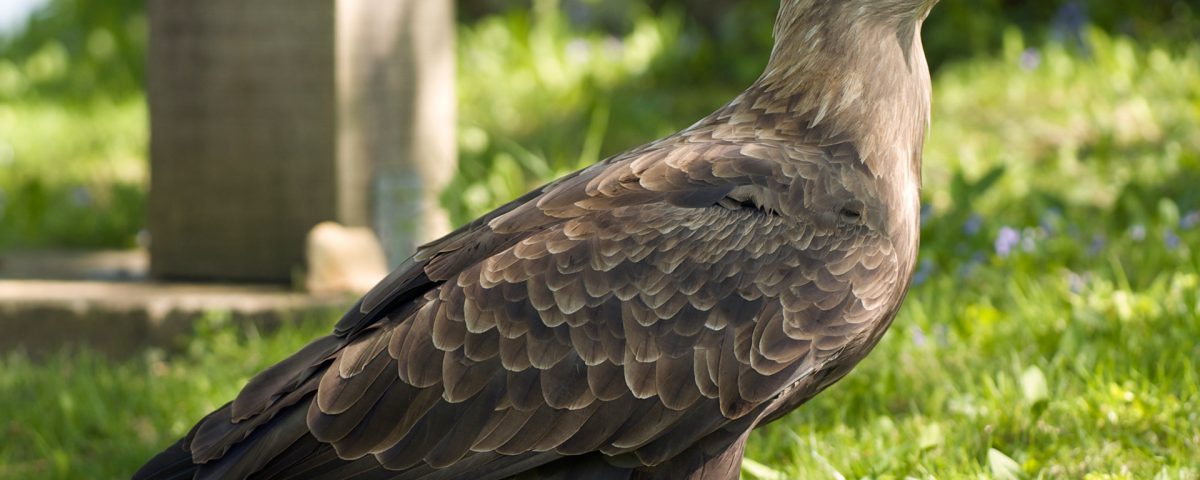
[637,318]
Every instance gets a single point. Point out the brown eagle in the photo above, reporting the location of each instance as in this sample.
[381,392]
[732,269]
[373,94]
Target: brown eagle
[637,318]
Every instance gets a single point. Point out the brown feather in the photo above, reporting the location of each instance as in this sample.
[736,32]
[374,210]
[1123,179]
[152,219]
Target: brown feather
[282,377]
[462,435]
[524,389]
[565,386]
[464,378]
[637,317]
[675,382]
[336,394]
[504,425]
[607,381]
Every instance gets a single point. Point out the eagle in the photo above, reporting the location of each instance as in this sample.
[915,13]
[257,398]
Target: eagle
[637,318]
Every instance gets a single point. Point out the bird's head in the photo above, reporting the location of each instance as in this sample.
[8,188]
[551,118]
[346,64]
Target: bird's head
[897,12]
[855,70]
[894,9]
[812,36]
[891,9]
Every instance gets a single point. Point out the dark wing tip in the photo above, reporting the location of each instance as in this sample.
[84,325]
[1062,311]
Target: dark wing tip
[173,463]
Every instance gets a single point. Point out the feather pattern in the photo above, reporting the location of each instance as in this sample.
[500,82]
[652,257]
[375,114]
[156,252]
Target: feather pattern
[635,318]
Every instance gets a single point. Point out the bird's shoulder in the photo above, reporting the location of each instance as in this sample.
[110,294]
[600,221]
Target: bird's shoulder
[685,171]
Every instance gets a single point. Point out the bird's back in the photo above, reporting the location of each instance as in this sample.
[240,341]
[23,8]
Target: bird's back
[634,319]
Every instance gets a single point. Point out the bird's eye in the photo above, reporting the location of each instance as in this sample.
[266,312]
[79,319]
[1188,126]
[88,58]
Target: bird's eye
[851,215]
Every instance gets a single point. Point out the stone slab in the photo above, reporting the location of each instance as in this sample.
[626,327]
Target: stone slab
[110,265]
[120,318]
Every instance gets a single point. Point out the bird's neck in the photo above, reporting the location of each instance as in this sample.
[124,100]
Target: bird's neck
[836,78]
[851,77]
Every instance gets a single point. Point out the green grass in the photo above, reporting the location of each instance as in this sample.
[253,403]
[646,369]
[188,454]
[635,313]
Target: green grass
[80,415]
[1051,332]
[1098,380]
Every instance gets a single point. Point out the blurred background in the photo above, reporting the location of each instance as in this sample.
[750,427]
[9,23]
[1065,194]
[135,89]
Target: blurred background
[1050,332]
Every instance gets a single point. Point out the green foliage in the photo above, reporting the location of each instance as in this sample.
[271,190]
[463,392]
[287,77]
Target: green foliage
[77,51]
[537,98]
[72,175]
[956,30]
[572,96]
[962,29]
[73,127]
[532,80]
[1108,137]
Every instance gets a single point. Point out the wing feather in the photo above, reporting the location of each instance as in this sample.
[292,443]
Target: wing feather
[624,309]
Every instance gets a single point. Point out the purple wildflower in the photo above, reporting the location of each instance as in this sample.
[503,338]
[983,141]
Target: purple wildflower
[1029,240]
[942,333]
[918,336]
[1076,282]
[1069,24]
[1137,232]
[1050,221]
[579,12]
[1031,58]
[80,196]
[967,269]
[1171,239]
[973,224]
[579,51]
[1099,241]
[613,46]
[924,271]
[1007,239]
[1190,220]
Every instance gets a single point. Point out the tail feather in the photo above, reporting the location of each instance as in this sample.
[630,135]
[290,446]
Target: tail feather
[265,443]
[174,463]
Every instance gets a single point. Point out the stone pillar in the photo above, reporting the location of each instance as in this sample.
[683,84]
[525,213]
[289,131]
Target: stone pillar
[271,116]
[397,86]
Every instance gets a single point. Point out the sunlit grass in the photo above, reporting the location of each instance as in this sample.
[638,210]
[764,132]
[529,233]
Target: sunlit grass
[1049,374]
[80,415]
[1115,118]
